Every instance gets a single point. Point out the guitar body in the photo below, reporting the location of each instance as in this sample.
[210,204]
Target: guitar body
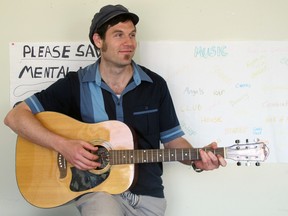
[38,169]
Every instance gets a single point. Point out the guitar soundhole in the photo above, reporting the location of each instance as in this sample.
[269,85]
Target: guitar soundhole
[103,159]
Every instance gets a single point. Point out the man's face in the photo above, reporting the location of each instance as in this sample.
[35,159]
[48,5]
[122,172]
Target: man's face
[119,44]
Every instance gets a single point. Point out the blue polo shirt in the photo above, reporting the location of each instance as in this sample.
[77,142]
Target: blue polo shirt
[145,105]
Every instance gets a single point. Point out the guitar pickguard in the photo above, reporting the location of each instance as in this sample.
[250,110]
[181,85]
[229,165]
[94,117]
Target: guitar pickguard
[85,180]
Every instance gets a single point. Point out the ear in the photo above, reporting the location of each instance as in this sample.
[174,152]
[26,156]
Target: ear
[97,40]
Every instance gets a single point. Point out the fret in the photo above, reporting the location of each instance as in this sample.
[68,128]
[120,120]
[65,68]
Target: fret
[172,154]
[167,155]
[127,155]
[131,158]
[124,156]
[179,155]
[112,158]
[175,154]
[121,157]
[135,156]
[205,149]
[128,152]
[115,159]
[158,152]
[185,154]
[145,156]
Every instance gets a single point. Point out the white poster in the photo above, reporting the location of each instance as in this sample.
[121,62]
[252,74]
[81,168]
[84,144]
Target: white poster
[35,66]
[226,91]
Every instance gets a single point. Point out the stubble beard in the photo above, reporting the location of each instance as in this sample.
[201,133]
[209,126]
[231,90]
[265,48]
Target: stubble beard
[127,57]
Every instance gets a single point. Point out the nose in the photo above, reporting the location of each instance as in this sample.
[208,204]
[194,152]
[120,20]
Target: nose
[129,40]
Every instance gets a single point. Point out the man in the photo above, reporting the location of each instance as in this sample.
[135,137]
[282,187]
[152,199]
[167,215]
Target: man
[114,87]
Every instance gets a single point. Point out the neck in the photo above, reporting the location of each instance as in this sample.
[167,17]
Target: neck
[158,155]
[116,78]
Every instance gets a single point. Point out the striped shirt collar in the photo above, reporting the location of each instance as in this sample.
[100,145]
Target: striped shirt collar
[93,74]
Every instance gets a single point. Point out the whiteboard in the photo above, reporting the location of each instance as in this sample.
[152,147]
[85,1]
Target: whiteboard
[226,91]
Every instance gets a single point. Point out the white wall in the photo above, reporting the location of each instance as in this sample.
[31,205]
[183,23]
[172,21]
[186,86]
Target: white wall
[227,191]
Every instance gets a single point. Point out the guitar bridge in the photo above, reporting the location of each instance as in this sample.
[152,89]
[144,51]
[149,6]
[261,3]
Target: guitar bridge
[62,166]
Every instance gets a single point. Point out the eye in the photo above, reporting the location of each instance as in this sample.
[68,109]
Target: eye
[133,35]
[118,35]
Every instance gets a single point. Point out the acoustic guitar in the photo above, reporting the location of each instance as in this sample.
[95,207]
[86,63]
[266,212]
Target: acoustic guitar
[46,179]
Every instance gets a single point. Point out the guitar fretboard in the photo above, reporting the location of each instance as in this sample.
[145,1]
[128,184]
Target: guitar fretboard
[157,155]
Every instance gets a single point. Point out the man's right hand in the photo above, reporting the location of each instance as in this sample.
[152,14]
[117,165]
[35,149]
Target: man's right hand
[80,154]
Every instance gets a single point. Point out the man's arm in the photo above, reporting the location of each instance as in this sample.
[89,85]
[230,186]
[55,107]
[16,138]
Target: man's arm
[23,122]
[208,161]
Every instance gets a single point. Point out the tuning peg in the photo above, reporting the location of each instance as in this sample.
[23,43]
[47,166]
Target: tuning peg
[257,163]
[237,141]
[247,141]
[247,163]
[238,163]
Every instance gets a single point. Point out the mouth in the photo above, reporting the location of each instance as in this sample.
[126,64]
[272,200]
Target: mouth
[126,51]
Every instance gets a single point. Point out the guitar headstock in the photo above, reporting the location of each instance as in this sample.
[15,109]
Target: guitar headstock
[249,152]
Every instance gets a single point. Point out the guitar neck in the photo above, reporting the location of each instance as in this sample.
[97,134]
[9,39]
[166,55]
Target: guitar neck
[158,155]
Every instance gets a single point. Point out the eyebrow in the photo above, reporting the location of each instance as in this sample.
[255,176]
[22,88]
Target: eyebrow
[119,30]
